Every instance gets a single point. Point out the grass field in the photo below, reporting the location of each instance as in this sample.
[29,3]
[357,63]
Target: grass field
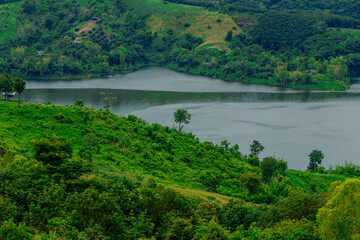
[8,13]
[203,195]
[212,27]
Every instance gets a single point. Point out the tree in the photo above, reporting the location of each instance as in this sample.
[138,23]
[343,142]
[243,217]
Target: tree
[182,116]
[282,73]
[19,86]
[256,148]
[89,144]
[316,156]
[53,151]
[79,103]
[108,99]
[214,231]
[269,167]
[229,36]
[290,229]
[251,181]
[339,218]
[6,85]
[282,166]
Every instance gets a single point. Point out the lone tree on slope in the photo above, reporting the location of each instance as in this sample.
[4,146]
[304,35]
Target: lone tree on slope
[182,116]
[19,87]
[316,156]
[256,148]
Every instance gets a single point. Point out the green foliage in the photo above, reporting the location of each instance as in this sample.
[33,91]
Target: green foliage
[53,151]
[251,181]
[6,85]
[128,37]
[50,189]
[339,218]
[214,231]
[12,231]
[290,229]
[316,156]
[277,29]
[182,116]
[282,166]
[229,36]
[269,167]
[256,148]
[108,99]
[237,213]
[297,205]
[79,103]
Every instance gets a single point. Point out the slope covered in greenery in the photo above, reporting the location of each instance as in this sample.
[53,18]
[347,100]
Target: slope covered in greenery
[248,41]
[79,173]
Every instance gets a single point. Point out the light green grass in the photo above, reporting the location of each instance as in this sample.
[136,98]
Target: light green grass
[212,27]
[346,30]
[203,195]
[8,14]
[146,7]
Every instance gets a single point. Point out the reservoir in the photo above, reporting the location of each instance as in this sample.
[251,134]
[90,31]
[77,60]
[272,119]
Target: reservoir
[289,123]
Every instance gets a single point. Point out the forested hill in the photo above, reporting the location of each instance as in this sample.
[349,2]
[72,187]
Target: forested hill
[288,43]
[81,173]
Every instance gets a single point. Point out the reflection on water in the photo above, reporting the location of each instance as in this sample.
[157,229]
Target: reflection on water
[290,123]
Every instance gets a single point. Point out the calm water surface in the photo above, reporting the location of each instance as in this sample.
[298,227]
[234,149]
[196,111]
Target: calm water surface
[289,123]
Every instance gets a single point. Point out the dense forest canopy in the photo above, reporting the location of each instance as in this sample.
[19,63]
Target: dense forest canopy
[249,41]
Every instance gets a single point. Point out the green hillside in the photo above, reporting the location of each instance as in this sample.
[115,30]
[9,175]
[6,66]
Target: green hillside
[10,26]
[78,173]
[247,41]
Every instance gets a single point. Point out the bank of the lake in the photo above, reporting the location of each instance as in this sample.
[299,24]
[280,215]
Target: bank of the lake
[290,123]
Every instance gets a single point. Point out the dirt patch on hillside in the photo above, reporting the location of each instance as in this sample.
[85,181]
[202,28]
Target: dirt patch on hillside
[87,28]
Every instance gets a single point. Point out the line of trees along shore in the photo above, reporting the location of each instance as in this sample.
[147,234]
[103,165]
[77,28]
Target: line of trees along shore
[308,49]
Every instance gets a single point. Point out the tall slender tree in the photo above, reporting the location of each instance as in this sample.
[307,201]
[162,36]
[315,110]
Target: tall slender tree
[182,116]
[108,99]
[19,86]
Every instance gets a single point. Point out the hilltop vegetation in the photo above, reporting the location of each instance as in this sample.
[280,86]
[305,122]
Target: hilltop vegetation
[81,173]
[248,41]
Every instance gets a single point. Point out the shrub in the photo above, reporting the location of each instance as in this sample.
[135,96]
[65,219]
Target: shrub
[52,151]
[79,103]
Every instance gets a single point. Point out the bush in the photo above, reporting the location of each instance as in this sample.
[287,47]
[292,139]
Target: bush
[11,231]
[53,151]
[79,103]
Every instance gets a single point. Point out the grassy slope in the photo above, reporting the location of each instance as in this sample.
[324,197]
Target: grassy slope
[133,148]
[8,29]
[125,146]
[174,16]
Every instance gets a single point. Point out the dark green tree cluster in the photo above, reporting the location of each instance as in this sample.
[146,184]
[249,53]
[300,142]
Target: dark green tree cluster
[10,84]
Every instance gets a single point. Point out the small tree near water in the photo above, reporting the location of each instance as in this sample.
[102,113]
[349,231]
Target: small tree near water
[182,116]
[108,99]
[19,87]
[256,148]
[6,85]
[316,156]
